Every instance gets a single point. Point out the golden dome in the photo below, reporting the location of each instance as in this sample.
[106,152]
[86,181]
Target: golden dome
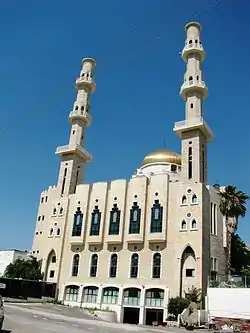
[162,156]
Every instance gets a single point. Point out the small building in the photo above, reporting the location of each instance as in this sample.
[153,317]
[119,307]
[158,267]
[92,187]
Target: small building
[9,256]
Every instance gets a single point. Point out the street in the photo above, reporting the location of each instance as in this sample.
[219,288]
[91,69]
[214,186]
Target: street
[49,318]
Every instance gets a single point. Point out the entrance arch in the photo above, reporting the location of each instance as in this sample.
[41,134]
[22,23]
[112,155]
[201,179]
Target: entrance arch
[49,272]
[188,269]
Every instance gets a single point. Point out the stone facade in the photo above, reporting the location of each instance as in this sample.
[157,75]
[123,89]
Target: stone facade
[129,245]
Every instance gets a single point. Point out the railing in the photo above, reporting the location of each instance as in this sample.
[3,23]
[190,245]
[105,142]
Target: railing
[193,45]
[190,83]
[69,147]
[225,281]
[191,122]
[80,113]
[85,80]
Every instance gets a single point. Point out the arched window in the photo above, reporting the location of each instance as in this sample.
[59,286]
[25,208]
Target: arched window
[95,222]
[156,217]
[113,265]
[51,232]
[75,265]
[194,199]
[93,265]
[77,224]
[110,295]
[90,295]
[54,211]
[82,108]
[184,200]
[135,219]
[76,108]
[191,105]
[190,42]
[194,224]
[156,266]
[190,78]
[71,293]
[58,232]
[61,210]
[114,222]
[134,265]
[183,225]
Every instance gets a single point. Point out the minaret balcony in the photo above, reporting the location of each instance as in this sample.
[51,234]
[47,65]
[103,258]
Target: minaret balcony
[193,48]
[83,116]
[191,86]
[197,123]
[74,149]
[86,81]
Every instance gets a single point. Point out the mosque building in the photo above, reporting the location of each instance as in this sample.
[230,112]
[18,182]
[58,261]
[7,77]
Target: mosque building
[129,245]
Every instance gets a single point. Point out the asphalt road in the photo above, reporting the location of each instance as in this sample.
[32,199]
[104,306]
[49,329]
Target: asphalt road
[53,318]
[20,319]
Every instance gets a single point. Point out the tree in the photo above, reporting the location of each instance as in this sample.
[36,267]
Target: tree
[176,305]
[194,294]
[232,206]
[29,269]
[240,256]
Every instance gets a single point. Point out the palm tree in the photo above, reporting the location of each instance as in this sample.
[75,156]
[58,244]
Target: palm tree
[232,206]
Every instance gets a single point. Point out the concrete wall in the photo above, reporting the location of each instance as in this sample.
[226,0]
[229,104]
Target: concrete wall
[228,302]
[9,256]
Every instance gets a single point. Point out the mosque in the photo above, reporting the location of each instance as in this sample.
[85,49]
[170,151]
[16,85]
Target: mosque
[129,245]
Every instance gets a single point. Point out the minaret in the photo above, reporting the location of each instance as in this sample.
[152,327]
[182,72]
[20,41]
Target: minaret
[193,131]
[73,155]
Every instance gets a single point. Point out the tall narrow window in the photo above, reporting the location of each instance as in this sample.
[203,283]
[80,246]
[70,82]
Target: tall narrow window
[95,222]
[156,266]
[64,180]
[194,199]
[211,218]
[114,221]
[203,164]
[75,265]
[215,219]
[134,265]
[190,163]
[93,265]
[135,219]
[113,265]
[77,176]
[156,217]
[77,225]
[184,200]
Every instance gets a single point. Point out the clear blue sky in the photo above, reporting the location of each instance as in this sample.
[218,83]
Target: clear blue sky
[139,72]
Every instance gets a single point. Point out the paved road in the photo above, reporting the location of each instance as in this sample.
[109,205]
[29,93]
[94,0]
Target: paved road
[50,318]
[21,319]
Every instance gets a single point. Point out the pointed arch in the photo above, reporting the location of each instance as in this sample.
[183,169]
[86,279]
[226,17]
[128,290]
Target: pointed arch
[193,224]
[184,200]
[183,225]
[194,199]
[187,268]
[51,259]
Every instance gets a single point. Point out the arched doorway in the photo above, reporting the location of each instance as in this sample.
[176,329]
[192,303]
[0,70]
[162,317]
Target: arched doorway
[154,305]
[187,270]
[131,305]
[50,266]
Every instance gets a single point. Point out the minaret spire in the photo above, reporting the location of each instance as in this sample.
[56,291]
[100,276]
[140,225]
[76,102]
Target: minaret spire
[73,155]
[194,131]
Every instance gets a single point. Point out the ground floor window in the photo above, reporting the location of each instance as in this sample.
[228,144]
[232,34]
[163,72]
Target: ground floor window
[71,293]
[90,294]
[132,297]
[154,297]
[110,296]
